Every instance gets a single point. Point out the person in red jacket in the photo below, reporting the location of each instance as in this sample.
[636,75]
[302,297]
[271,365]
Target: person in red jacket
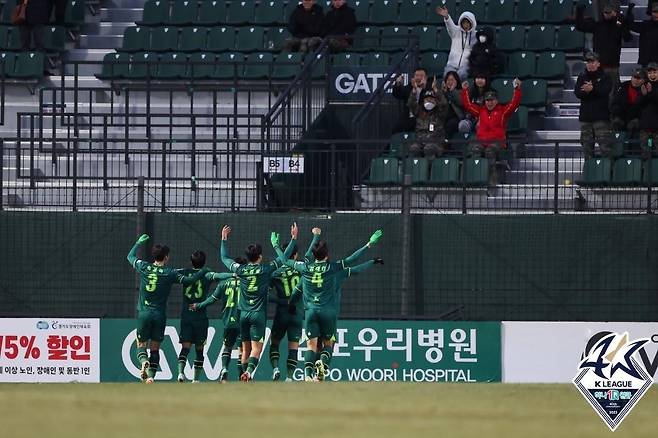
[492,120]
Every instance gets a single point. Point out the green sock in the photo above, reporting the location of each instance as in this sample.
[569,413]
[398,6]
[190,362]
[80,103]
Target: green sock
[291,362]
[240,367]
[142,356]
[226,358]
[182,359]
[309,363]
[325,355]
[198,364]
[274,355]
[154,362]
[252,364]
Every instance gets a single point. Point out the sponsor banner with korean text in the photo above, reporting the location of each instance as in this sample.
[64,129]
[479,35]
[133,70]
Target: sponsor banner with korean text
[348,83]
[550,352]
[411,351]
[49,350]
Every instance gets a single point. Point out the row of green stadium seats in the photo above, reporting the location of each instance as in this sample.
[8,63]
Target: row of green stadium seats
[508,38]
[23,65]
[178,65]
[54,38]
[74,16]
[443,171]
[624,172]
[208,12]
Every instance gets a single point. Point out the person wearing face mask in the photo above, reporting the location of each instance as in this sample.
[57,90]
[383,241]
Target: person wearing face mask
[463,39]
[625,108]
[485,58]
[649,111]
[430,109]
[648,31]
[607,35]
[407,122]
[492,124]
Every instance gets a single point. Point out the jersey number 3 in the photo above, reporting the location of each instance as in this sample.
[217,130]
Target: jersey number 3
[152,282]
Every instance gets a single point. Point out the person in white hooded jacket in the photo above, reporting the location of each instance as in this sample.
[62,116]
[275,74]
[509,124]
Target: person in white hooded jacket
[463,38]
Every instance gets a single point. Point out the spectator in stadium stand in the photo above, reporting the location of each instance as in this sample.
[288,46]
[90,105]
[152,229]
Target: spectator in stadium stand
[340,20]
[481,84]
[648,31]
[649,114]
[650,4]
[37,15]
[407,122]
[492,124]
[593,89]
[456,120]
[430,109]
[305,26]
[463,39]
[485,58]
[625,105]
[607,35]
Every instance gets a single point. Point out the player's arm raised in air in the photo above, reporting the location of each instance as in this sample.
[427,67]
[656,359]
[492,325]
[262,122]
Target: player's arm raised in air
[230,264]
[359,252]
[132,255]
[283,256]
[362,267]
[316,238]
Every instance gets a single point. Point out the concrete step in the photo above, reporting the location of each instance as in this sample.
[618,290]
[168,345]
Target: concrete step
[113,28]
[547,164]
[562,123]
[121,14]
[100,41]
[540,177]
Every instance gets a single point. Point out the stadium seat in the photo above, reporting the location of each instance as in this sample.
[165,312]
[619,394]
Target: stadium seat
[444,40]
[384,171]
[7,64]
[261,67]
[499,12]
[212,13]
[399,143]
[476,172]
[54,39]
[156,13]
[183,13]
[530,11]
[229,65]
[240,12]
[511,38]
[347,59]
[534,92]
[551,65]
[115,66]
[287,65]
[4,34]
[519,120]
[477,7]
[412,12]
[434,62]
[75,13]
[163,39]
[558,11]
[627,172]
[135,39]
[14,39]
[276,38]
[384,12]
[521,64]
[445,172]
[427,37]
[569,39]
[418,169]
[143,65]
[460,141]
[221,39]
[29,65]
[7,10]
[250,39]
[618,143]
[319,69]
[393,38]
[192,39]
[375,59]
[201,66]
[269,13]
[505,89]
[172,65]
[366,38]
[596,172]
[651,172]
[541,37]
[361,10]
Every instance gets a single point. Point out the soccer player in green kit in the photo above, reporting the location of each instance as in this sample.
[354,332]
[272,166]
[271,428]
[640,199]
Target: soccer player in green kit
[156,280]
[321,281]
[194,324]
[255,278]
[227,291]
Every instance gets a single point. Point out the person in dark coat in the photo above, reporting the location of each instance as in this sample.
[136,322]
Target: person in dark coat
[340,20]
[305,26]
[626,104]
[37,15]
[485,58]
[648,31]
[593,89]
[607,35]
[649,111]
[407,122]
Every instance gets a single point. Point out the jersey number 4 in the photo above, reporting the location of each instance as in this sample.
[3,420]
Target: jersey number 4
[317,279]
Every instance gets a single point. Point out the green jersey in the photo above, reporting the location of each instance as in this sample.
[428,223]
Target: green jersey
[155,285]
[195,293]
[254,284]
[284,281]
[231,290]
[320,283]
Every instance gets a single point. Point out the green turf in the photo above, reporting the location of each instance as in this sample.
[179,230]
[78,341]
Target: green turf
[337,410]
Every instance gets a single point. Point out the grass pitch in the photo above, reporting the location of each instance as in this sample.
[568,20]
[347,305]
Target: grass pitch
[337,410]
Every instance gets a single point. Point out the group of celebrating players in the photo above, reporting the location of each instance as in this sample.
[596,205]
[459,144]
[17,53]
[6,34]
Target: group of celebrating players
[306,292]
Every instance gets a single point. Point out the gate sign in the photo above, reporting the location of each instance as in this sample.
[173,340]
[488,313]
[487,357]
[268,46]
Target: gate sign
[356,83]
[49,350]
[292,164]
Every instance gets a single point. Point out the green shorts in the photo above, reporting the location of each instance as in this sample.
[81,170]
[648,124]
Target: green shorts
[151,326]
[194,330]
[287,324]
[252,326]
[320,324]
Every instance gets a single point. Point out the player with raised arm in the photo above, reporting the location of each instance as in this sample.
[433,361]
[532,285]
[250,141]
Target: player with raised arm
[194,324]
[156,280]
[320,282]
[227,291]
[255,278]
